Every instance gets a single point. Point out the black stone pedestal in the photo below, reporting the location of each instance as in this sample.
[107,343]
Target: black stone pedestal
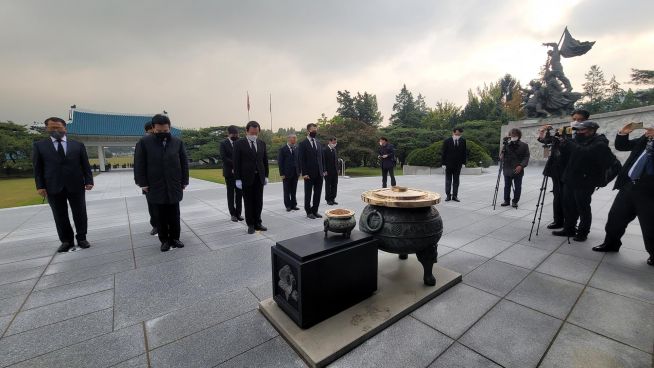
[315,277]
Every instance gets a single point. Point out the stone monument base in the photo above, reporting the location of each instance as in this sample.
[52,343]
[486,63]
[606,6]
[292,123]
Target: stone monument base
[400,292]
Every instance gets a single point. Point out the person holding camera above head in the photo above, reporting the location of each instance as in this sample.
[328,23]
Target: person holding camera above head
[636,192]
[588,153]
[515,157]
[453,156]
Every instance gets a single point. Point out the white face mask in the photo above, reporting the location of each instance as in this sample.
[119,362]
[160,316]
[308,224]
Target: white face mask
[252,138]
[573,124]
[455,137]
[514,139]
[332,146]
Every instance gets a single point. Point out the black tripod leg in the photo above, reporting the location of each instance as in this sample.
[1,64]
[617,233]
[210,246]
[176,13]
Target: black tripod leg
[542,205]
[497,185]
[540,194]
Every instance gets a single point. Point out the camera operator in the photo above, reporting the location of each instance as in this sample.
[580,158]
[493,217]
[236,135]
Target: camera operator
[556,162]
[515,156]
[636,192]
[587,155]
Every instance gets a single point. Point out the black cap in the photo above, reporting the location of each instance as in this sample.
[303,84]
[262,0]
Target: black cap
[588,124]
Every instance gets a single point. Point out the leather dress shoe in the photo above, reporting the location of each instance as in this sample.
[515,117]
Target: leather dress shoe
[234,218]
[65,247]
[334,203]
[554,225]
[606,248]
[455,199]
[514,204]
[288,209]
[154,231]
[296,208]
[448,198]
[317,215]
[311,216]
[84,244]
[260,227]
[504,204]
[650,261]
[165,246]
[330,203]
[250,229]
[580,237]
[563,232]
[176,244]
[240,218]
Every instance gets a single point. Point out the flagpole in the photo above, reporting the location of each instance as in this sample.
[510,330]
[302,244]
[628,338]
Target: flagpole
[558,45]
[248,103]
[271,128]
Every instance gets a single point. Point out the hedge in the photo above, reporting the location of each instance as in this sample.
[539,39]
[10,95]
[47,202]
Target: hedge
[431,156]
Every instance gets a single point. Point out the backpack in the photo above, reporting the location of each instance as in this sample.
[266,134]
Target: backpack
[611,170]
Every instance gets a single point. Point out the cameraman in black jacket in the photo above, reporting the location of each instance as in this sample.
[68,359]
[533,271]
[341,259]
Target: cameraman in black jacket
[587,155]
[515,157]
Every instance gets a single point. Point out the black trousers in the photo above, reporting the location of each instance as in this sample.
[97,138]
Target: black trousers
[168,223]
[557,200]
[452,180]
[152,210]
[313,184]
[253,198]
[576,206]
[290,189]
[385,173]
[59,204]
[234,197]
[516,181]
[331,185]
[632,201]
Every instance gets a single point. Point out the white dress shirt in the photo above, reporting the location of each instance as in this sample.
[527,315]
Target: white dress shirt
[63,142]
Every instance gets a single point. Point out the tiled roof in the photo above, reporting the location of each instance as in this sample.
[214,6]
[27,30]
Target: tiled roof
[109,124]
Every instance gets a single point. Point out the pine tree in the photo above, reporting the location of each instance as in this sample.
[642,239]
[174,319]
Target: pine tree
[405,113]
[595,86]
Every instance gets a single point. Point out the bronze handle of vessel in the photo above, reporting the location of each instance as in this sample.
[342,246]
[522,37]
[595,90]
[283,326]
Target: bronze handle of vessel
[377,225]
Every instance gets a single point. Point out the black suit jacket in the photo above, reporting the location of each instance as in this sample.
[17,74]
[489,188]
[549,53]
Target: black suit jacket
[636,146]
[53,173]
[287,161]
[310,161]
[388,162]
[454,156]
[247,162]
[331,160]
[163,170]
[227,156]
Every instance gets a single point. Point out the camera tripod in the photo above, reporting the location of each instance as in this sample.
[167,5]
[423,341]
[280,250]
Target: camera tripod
[540,202]
[499,173]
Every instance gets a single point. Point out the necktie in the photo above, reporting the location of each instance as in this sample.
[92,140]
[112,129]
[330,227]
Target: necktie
[253,147]
[456,143]
[313,143]
[60,149]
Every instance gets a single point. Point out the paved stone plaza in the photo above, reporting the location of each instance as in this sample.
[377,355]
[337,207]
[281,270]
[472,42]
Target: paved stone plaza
[123,303]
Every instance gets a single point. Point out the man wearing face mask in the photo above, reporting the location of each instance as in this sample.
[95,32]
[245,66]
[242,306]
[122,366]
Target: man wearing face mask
[453,157]
[234,194]
[152,210]
[288,170]
[312,169]
[515,158]
[161,170]
[251,174]
[331,167]
[62,174]
[387,157]
[587,152]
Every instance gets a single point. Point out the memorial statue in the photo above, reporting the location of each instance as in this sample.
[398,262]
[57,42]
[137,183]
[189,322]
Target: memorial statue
[552,95]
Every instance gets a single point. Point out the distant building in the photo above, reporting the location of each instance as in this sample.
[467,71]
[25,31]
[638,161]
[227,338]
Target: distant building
[108,129]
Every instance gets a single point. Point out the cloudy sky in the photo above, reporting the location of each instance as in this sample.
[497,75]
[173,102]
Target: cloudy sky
[197,60]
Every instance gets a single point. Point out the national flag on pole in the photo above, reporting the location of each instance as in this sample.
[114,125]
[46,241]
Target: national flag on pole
[271,102]
[571,47]
[248,101]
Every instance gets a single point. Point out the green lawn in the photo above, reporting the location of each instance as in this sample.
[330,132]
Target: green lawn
[368,171]
[18,192]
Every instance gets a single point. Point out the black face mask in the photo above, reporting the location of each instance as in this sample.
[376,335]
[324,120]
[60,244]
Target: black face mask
[312,134]
[163,136]
[234,139]
[57,135]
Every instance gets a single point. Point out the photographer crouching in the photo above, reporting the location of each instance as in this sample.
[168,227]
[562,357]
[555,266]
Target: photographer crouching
[515,157]
[587,154]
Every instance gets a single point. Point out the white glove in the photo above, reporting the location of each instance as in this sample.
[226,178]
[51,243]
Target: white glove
[239,184]
[266,183]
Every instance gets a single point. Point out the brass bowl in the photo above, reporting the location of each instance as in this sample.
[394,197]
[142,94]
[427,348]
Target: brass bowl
[333,213]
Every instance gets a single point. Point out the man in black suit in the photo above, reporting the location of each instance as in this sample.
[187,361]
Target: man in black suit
[310,161]
[152,210]
[331,167]
[454,156]
[288,170]
[635,198]
[234,194]
[251,174]
[387,157]
[161,169]
[62,173]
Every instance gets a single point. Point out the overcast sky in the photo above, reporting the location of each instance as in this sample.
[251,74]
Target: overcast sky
[197,61]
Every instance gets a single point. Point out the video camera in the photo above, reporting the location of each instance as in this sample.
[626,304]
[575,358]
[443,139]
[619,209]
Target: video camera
[550,140]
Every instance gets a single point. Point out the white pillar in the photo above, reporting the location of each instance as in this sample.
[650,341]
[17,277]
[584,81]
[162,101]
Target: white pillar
[101,157]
